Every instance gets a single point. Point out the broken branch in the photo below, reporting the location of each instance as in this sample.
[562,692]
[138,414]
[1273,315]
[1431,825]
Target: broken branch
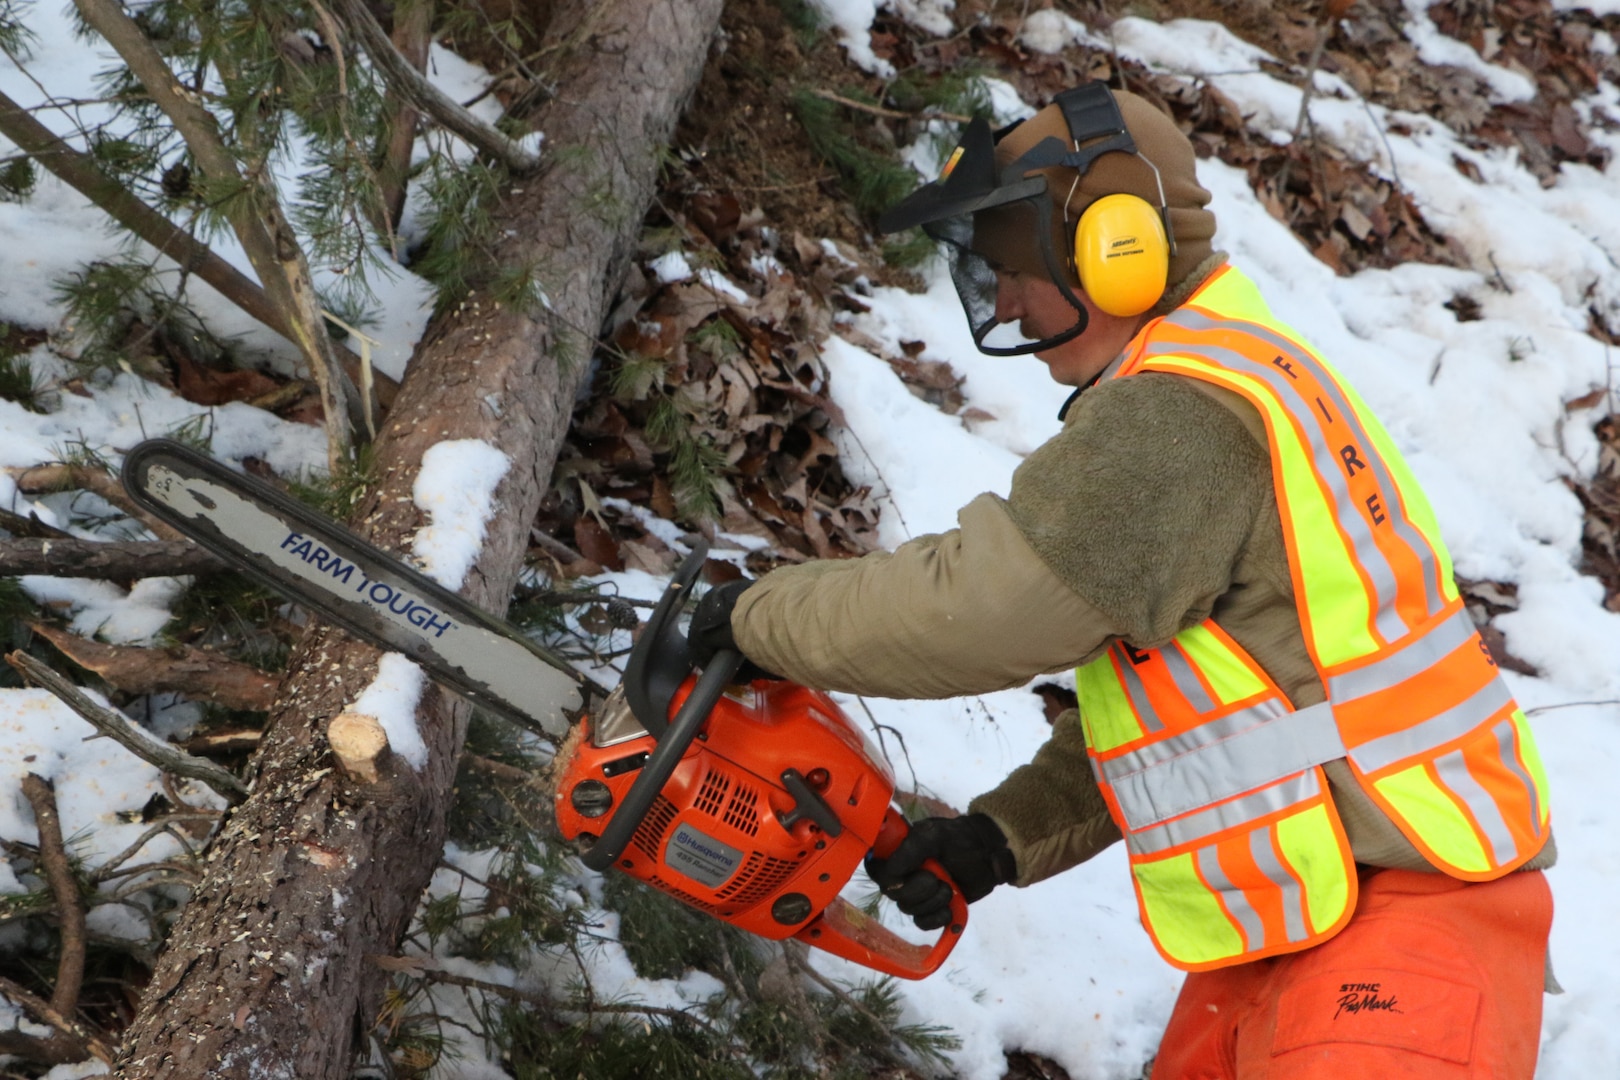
[119,561]
[413,87]
[47,479]
[37,1049]
[194,673]
[116,726]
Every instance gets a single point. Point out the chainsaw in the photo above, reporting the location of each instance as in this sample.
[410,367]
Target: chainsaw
[753,802]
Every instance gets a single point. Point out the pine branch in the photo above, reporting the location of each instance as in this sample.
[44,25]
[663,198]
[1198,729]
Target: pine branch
[413,34]
[117,726]
[257,219]
[413,87]
[80,172]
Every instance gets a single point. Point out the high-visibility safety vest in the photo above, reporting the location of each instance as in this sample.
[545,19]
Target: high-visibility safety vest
[1212,775]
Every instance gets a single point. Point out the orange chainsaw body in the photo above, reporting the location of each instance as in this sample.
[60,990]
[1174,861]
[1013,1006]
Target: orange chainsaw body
[765,818]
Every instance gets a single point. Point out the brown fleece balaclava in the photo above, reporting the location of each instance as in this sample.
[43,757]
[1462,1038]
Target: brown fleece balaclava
[1006,235]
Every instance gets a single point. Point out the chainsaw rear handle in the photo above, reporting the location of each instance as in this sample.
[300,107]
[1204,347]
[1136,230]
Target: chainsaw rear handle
[845,930]
[661,763]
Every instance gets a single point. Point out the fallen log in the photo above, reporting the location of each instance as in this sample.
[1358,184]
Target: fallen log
[265,971]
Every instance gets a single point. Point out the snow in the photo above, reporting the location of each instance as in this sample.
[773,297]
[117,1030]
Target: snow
[1596,7]
[392,698]
[1481,409]
[670,266]
[1435,48]
[852,20]
[456,489]
[98,783]
[1051,31]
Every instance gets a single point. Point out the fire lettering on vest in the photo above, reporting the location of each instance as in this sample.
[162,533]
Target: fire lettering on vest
[1350,455]
[1376,509]
[1137,656]
[1322,405]
[1288,369]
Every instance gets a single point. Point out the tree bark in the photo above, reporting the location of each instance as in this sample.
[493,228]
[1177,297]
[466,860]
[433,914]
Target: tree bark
[268,972]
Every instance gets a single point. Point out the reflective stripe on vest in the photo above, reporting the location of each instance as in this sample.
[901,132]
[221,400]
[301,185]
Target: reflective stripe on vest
[1235,849]
[1212,775]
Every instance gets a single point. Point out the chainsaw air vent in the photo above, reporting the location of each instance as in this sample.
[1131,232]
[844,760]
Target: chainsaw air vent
[758,878]
[712,796]
[649,835]
[742,813]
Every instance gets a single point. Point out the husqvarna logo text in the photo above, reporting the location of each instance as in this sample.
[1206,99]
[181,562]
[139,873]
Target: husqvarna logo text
[700,857]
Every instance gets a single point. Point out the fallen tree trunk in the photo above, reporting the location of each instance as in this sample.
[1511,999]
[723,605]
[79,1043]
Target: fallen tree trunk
[271,969]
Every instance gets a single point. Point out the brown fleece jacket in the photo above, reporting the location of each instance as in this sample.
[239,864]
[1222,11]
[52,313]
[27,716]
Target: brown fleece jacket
[1152,510]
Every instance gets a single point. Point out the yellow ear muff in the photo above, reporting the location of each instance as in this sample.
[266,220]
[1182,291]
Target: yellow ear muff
[1121,254]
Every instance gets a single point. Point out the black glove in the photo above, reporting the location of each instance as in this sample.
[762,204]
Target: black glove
[710,629]
[971,849]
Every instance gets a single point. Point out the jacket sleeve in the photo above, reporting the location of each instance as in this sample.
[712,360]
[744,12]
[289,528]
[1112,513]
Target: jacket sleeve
[969,611]
[1051,810]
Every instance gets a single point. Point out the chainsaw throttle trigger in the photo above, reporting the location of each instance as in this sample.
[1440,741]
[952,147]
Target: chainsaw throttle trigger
[807,804]
[845,930]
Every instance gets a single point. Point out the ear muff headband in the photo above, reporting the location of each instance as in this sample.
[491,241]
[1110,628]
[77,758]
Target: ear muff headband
[1122,243]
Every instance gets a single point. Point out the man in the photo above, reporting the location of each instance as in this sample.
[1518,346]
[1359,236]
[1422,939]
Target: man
[1334,810]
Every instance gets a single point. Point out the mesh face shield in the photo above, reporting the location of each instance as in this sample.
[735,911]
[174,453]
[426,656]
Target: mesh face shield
[987,223]
[984,250]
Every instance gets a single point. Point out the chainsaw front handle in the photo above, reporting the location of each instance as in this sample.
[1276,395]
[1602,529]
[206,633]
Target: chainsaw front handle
[845,930]
[661,763]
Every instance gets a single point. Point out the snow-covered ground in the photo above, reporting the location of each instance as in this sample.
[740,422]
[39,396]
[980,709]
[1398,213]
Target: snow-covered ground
[1481,409]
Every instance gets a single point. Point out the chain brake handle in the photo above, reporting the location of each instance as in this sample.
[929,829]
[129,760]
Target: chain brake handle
[659,663]
[845,930]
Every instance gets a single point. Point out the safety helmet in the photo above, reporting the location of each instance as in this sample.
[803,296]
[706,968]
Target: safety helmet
[1075,195]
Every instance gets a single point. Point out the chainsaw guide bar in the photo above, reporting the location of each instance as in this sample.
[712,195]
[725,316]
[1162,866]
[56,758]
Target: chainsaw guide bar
[755,803]
[305,556]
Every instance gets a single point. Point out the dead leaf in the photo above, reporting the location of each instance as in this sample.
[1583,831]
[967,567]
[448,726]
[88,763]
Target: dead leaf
[594,542]
[204,386]
[643,556]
